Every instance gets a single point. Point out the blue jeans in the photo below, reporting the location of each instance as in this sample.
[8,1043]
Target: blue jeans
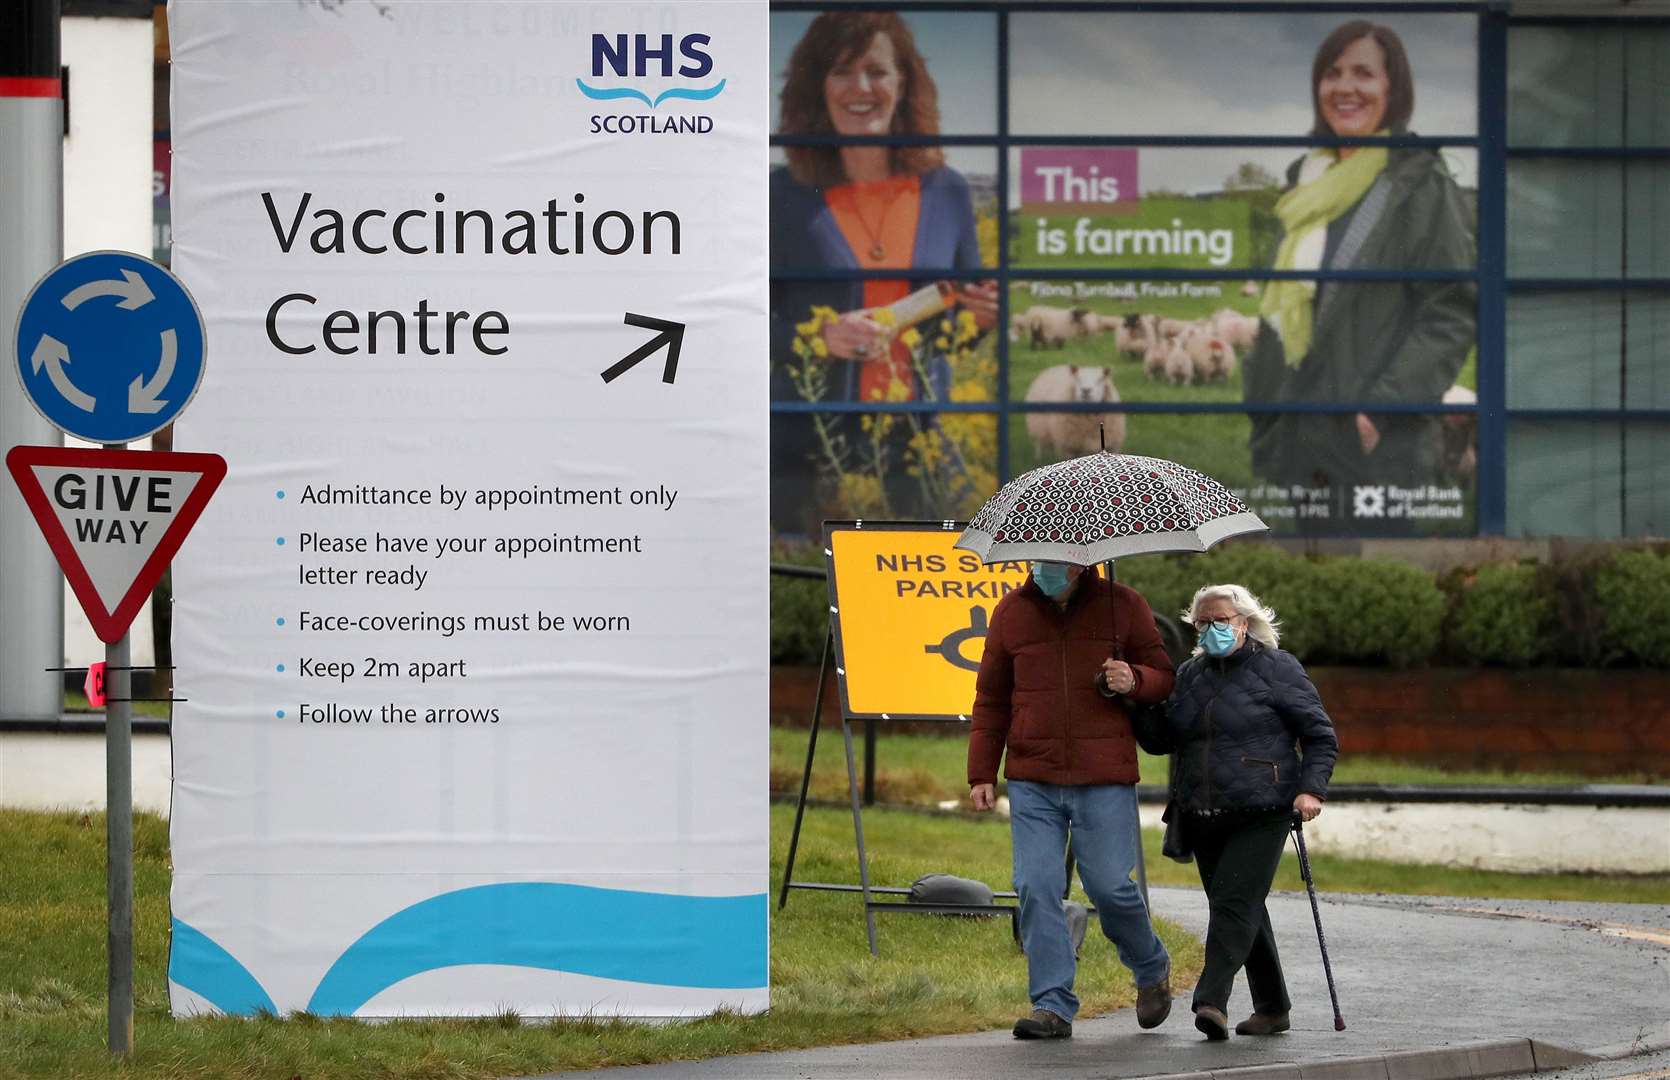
[1102,819]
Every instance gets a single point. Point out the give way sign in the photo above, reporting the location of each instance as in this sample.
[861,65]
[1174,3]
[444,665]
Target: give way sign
[114,518]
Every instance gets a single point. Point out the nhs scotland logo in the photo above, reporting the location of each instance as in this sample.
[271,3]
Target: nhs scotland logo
[650,63]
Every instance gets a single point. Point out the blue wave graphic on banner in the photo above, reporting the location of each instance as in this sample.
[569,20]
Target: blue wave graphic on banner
[693,95]
[197,963]
[709,942]
[613,93]
[617,92]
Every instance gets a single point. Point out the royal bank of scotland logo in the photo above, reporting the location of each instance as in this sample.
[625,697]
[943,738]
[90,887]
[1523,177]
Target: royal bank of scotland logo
[1368,501]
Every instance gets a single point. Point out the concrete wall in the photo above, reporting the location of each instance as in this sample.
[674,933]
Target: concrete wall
[107,203]
[66,772]
[1524,839]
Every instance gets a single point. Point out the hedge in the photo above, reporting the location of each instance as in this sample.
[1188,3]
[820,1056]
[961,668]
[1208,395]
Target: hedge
[1502,613]
[1633,591]
[1600,607]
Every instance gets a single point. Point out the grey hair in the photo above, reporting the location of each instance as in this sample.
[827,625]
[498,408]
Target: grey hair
[1262,626]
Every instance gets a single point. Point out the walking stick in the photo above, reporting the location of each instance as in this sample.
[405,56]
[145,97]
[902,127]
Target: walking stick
[1316,912]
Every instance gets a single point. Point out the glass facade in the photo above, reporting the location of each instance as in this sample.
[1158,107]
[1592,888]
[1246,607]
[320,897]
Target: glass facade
[1416,287]
[1587,344]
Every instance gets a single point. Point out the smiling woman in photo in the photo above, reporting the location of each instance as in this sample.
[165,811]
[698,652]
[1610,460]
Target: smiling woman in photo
[860,207]
[1380,342]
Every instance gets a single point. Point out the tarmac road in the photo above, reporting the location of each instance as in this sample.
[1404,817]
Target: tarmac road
[1431,988]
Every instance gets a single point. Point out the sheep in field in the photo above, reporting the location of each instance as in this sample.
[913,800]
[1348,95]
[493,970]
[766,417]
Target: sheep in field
[1210,357]
[1237,329]
[1180,367]
[1154,360]
[1046,325]
[1136,334]
[1056,436]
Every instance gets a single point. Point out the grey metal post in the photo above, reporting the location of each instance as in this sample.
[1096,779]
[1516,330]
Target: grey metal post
[806,776]
[118,797]
[858,834]
[31,243]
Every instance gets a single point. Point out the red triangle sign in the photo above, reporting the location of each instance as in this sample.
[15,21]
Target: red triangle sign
[114,518]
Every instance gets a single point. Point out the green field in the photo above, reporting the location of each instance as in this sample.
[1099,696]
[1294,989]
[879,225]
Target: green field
[1215,444]
[925,770]
[934,975]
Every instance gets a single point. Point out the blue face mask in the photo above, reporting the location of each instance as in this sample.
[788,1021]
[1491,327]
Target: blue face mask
[1051,577]
[1218,639]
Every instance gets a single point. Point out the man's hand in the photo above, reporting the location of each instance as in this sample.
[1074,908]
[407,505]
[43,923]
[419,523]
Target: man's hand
[1367,434]
[1118,676]
[983,796]
[1307,806]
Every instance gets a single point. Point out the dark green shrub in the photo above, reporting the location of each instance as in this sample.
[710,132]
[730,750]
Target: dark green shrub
[1375,610]
[1502,613]
[1165,581]
[1279,580]
[1282,582]
[1632,589]
[1580,624]
[799,608]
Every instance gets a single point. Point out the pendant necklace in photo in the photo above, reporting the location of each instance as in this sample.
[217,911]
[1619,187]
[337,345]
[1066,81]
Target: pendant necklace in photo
[878,250]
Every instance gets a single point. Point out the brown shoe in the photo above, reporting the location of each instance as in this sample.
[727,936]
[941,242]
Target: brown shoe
[1263,1024]
[1213,1022]
[1154,1003]
[1043,1024]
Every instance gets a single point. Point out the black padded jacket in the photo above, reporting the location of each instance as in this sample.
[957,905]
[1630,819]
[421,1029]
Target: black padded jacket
[1248,732]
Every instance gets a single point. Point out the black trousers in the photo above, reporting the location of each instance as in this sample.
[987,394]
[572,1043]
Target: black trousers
[1238,855]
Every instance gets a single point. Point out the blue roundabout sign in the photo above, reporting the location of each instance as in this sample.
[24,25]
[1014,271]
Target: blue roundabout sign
[110,346]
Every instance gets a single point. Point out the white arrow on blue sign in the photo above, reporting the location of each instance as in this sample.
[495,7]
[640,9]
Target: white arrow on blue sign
[110,346]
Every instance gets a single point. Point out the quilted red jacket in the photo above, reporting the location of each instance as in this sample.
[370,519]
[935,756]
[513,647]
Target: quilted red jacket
[1038,695]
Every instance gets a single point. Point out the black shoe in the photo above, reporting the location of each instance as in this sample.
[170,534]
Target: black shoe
[1154,1003]
[1263,1024]
[1213,1022]
[1043,1024]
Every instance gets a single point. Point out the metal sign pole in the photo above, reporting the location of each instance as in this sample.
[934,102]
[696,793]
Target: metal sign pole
[118,802]
[118,795]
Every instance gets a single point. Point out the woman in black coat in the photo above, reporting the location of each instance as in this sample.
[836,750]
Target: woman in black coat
[1252,747]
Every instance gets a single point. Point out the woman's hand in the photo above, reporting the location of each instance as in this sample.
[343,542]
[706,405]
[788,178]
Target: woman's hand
[979,298]
[1367,433]
[1118,676]
[1307,806]
[983,796]
[855,336]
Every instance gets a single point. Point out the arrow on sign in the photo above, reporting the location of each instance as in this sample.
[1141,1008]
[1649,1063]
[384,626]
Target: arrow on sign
[54,355]
[133,291]
[670,334]
[142,396]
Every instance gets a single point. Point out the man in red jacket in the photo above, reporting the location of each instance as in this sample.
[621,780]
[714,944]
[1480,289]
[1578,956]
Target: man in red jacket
[1063,653]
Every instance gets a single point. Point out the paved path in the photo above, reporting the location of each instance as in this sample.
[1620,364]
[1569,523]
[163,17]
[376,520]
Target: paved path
[1414,973]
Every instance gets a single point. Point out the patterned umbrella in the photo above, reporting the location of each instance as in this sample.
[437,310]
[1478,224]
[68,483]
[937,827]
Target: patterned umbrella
[1103,506]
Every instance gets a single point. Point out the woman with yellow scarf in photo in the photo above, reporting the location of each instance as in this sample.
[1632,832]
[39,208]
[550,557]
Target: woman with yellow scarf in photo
[1399,342]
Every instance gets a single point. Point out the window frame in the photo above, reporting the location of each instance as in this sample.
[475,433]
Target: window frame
[1489,274]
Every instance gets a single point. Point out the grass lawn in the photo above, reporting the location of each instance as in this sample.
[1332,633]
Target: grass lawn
[926,769]
[76,702]
[934,975]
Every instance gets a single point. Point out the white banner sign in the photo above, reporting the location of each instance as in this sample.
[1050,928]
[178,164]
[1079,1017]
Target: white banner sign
[474,636]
